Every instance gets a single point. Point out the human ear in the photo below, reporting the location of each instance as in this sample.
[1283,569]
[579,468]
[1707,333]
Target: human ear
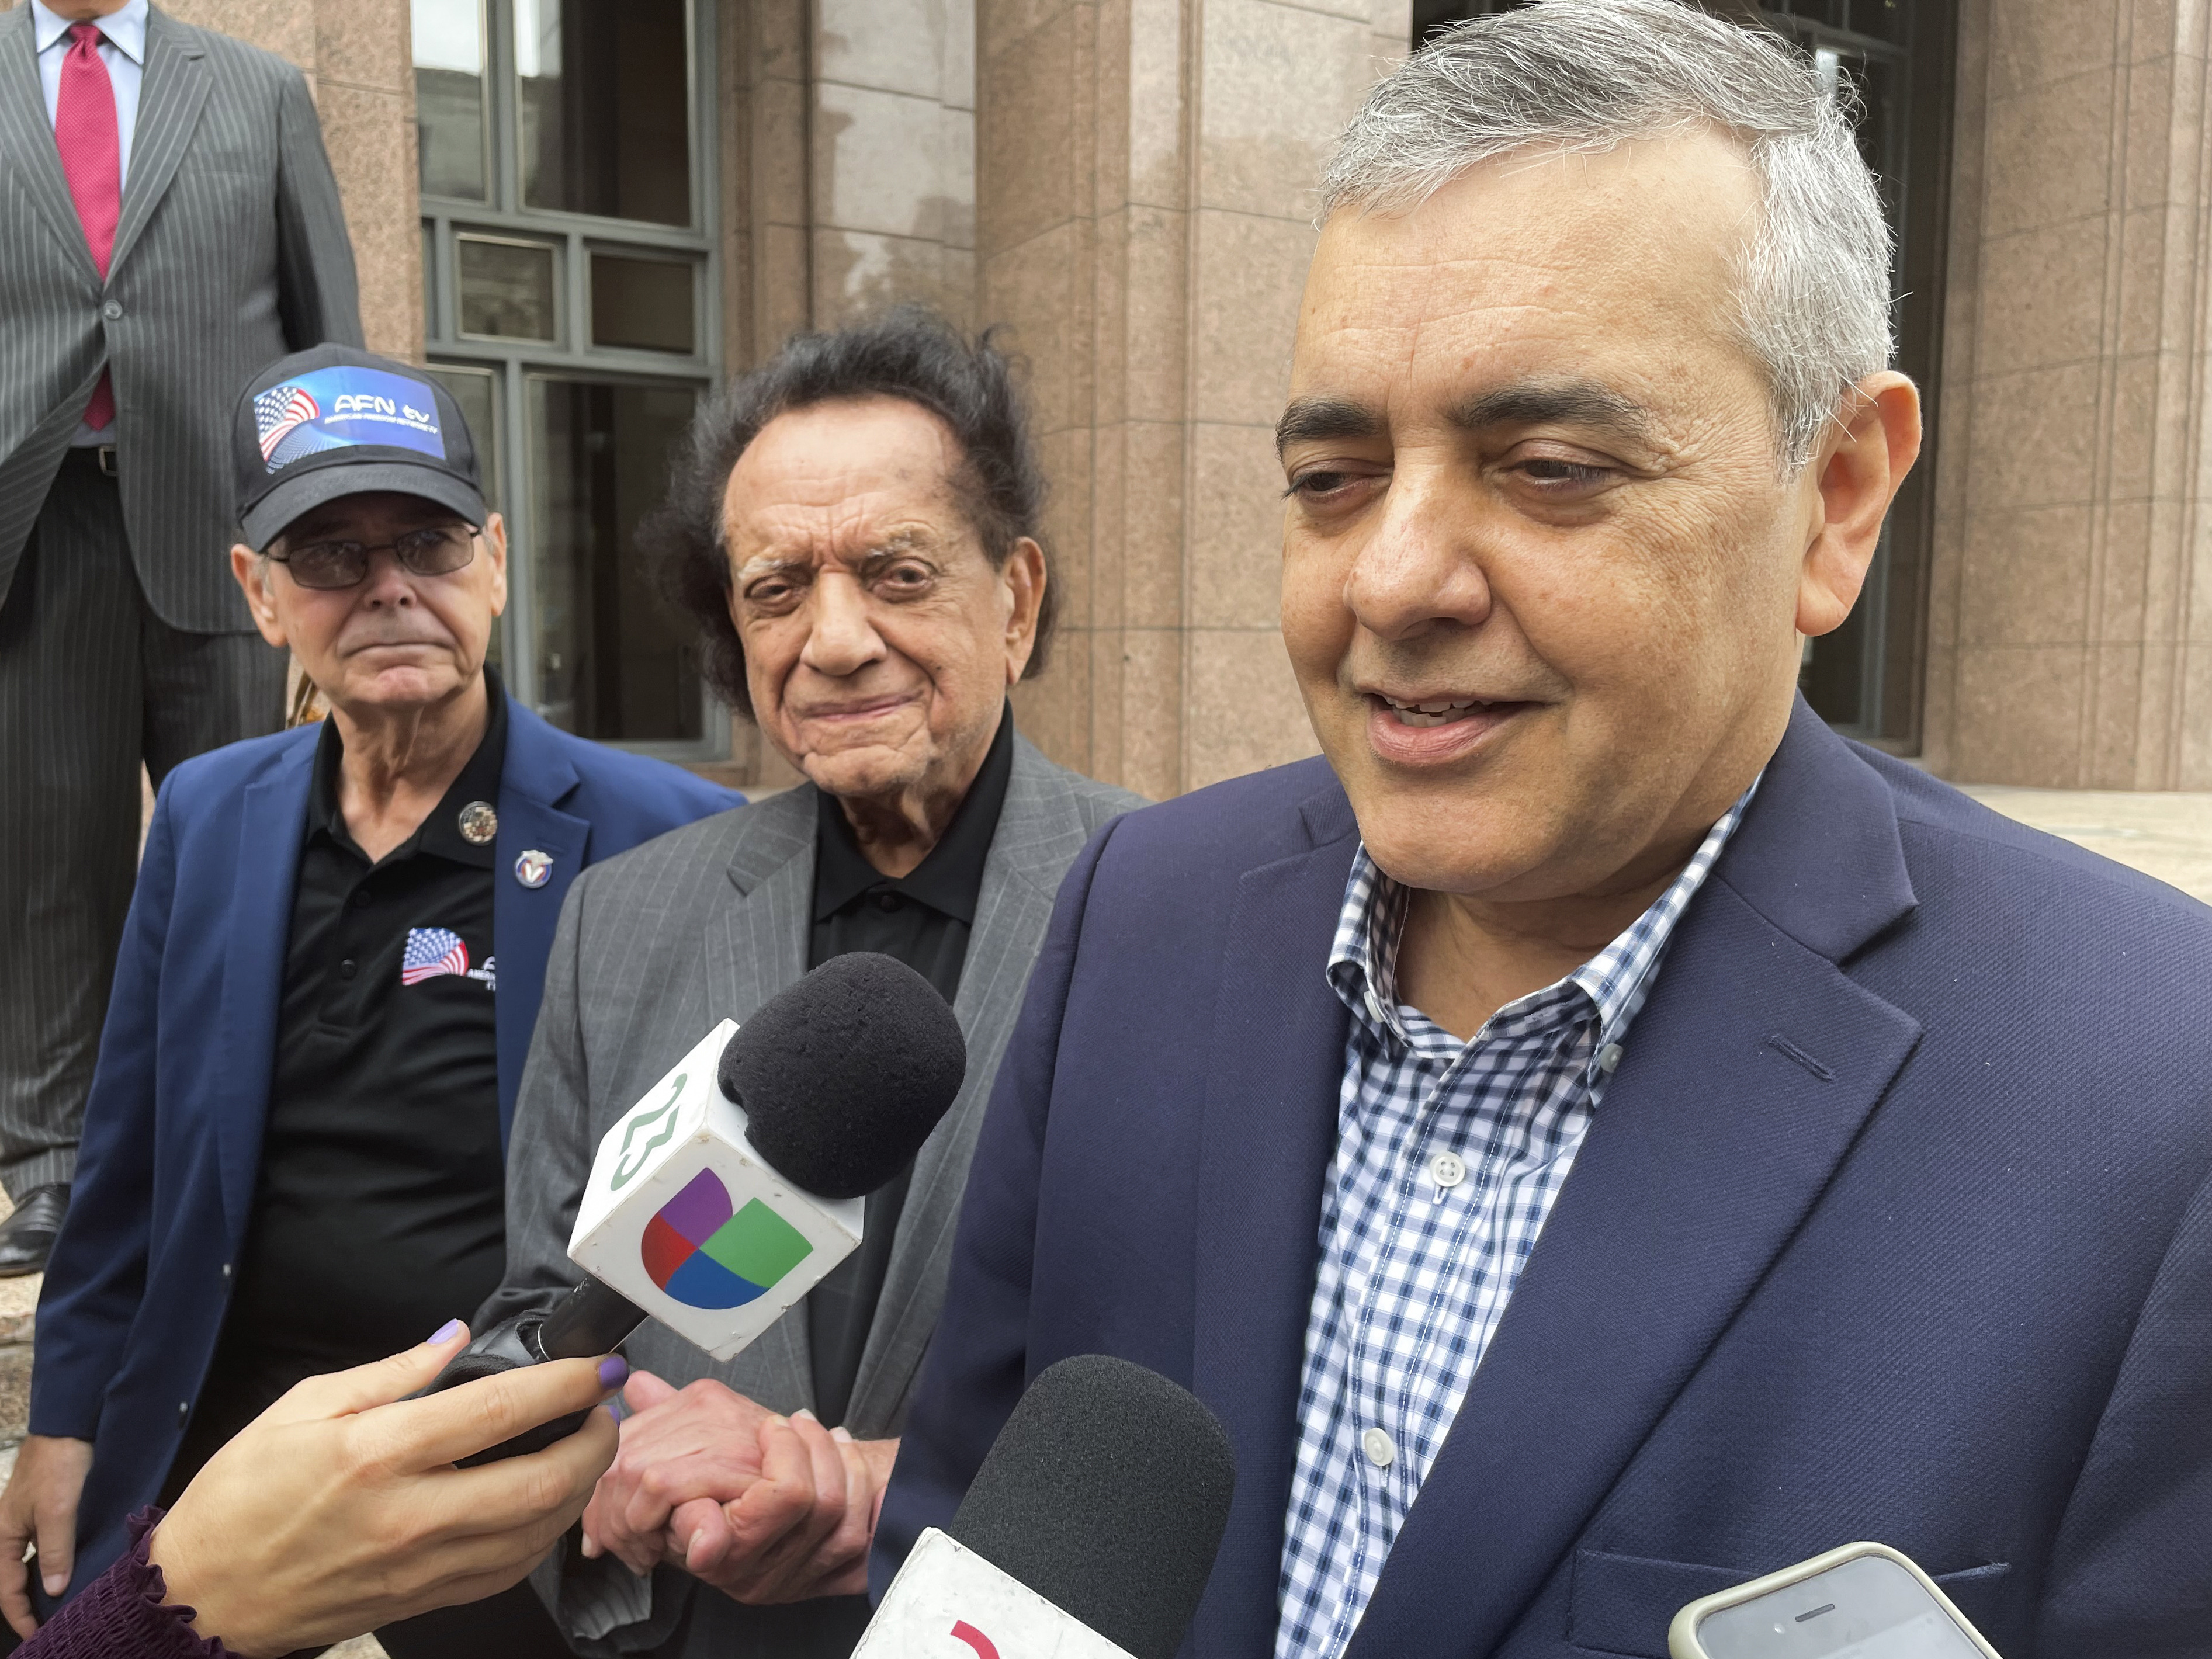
[1023,579]
[251,571]
[1864,458]
[495,540]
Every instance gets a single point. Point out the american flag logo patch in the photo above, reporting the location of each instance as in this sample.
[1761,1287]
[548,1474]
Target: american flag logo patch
[432,951]
[278,410]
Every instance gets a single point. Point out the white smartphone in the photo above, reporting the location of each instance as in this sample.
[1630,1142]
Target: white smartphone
[1862,1602]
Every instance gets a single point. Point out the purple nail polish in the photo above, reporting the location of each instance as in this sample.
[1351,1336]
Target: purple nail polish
[614,1371]
[445,1332]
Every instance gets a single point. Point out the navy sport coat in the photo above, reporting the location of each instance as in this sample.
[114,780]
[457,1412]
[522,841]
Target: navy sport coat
[1894,1223]
[139,1280]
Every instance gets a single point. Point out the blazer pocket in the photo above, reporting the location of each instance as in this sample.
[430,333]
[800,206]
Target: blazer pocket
[1622,1604]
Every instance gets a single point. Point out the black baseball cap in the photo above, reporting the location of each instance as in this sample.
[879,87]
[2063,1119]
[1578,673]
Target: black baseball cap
[336,420]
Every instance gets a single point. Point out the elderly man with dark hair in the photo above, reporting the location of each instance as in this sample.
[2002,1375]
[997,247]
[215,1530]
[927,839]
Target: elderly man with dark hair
[855,528]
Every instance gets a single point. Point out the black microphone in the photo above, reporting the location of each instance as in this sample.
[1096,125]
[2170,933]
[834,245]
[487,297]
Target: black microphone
[1100,1506]
[836,1082]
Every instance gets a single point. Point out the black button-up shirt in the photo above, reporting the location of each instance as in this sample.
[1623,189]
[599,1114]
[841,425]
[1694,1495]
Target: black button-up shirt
[379,1211]
[923,919]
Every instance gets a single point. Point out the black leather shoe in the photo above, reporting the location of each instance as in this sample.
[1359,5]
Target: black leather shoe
[28,1235]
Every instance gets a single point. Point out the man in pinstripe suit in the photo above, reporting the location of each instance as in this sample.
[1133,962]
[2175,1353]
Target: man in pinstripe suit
[168,224]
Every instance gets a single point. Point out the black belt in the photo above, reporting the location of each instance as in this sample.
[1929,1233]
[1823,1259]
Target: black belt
[101,456]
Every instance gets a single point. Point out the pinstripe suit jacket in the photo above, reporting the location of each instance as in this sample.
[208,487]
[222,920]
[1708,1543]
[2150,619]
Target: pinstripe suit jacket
[654,947]
[232,251]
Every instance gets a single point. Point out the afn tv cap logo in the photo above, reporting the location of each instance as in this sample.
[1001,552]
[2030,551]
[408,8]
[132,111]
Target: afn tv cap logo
[335,407]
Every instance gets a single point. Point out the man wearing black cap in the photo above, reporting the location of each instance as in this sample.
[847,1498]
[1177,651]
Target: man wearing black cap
[168,223]
[293,1149]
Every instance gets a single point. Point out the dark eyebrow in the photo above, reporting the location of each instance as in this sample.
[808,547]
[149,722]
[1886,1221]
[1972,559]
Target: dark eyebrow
[1318,419]
[1568,403]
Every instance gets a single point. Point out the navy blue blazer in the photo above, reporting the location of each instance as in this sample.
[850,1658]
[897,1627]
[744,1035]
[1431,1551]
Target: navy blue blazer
[1894,1223]
[140,1276]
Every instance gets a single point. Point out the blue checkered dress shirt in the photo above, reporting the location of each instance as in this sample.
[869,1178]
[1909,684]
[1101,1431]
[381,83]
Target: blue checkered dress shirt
[1449,1157]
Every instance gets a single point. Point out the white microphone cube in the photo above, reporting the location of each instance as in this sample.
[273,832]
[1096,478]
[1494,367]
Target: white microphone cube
[683,1217]
[948,1602]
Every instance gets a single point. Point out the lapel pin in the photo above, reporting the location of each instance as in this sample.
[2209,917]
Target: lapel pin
[532,868]
[479,823]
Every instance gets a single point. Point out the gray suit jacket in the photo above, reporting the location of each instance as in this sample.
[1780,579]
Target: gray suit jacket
[654,946]
[232,251]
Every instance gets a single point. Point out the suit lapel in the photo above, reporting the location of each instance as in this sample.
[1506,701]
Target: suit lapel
[1270,1129]
[754,944]
[170,97]
[1747,1078]
[535,777]
[272,815]
[1039,833]
[26,133]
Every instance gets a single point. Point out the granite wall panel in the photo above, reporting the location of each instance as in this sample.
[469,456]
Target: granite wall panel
[2068,615]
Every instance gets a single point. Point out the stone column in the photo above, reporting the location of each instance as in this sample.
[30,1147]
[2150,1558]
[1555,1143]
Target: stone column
[1144,181]
[891,156]
[2070,614]
[356,56]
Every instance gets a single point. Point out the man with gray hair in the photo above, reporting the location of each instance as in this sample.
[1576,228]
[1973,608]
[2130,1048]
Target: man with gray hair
[1596,1135]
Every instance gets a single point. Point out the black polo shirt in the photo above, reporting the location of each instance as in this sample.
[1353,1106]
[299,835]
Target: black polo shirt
[378,1212]
[923,919]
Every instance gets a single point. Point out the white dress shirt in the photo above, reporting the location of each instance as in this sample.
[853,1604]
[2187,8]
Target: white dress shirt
[123,52]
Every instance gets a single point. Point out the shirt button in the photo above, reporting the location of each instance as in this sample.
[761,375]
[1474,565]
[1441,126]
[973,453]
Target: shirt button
[346,969]
[225,1270]
[1382,1452]
[887,902]
[1447,1169]
[360,899]
[1608,1059]
[112,310]
[183,1413]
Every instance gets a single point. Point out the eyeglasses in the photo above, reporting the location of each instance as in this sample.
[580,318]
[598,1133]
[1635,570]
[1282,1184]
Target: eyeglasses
[438,551]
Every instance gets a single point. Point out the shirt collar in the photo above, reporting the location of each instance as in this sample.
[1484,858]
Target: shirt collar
[440,832]
[950,880]
[125,30]
[1363,958]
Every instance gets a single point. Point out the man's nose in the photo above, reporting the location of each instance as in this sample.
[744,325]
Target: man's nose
[1421,564]
[843,639]
[387,581]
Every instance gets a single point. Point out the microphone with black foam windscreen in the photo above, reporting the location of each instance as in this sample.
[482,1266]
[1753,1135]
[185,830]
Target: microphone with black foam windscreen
[740,1178]
[1088,1532]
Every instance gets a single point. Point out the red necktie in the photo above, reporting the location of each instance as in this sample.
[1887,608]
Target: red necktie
[92,158]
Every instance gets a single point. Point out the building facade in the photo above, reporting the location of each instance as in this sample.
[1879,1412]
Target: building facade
[582,212]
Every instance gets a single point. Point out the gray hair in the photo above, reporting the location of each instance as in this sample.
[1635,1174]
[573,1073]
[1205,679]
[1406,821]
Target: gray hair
[1570,76]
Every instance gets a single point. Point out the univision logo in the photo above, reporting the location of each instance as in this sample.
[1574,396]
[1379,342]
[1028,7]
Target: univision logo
[705,1256]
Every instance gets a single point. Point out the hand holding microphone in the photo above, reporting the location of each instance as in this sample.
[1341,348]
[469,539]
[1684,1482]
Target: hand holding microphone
[339,1510]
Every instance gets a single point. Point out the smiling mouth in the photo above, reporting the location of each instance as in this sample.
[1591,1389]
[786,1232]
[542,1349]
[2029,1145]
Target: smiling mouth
[1444,712]
[856,711]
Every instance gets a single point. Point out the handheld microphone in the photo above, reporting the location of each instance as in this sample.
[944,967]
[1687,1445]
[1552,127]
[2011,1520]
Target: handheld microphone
[1090,1532]
[740,1178]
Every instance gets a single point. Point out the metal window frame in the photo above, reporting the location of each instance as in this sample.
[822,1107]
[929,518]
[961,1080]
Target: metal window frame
[512,363]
